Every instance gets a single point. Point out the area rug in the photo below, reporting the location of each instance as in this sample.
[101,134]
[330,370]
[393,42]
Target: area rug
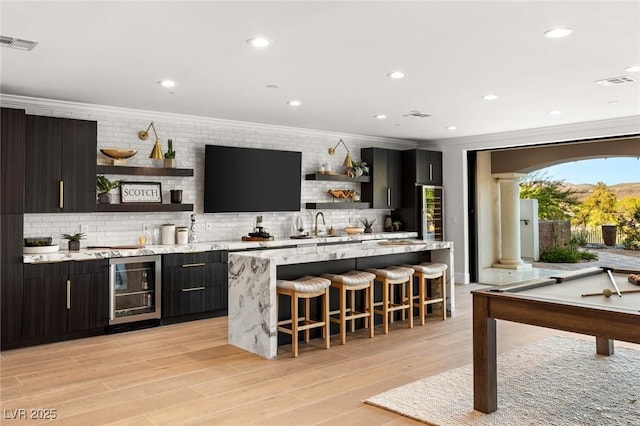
[557,381]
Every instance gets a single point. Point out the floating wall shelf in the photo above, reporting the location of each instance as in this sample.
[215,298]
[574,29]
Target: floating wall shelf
[338,205]
[143,171]
[146,207]
[341,178]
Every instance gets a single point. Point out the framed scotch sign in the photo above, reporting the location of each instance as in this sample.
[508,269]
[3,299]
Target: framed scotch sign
[141,192]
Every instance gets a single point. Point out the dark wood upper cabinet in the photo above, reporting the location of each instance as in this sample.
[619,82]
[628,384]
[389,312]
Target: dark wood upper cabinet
[385,167]
[12,151]
[60,165]
[422,167]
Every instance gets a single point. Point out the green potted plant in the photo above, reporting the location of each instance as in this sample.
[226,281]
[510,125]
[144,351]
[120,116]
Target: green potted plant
[170,155]
[104,186]
[74,240]
[358,169]
[368,224]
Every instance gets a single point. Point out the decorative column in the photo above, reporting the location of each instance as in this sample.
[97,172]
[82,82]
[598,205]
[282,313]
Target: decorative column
[510,221]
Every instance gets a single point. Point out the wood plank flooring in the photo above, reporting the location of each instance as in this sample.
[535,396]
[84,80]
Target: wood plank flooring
[188,374]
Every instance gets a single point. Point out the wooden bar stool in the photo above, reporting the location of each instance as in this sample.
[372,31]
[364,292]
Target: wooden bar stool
[391,277]
[347,284]
[305,288]
[426,273]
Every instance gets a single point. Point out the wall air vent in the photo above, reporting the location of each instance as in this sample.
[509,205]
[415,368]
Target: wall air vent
[416,114]
[613,81]
[17,43]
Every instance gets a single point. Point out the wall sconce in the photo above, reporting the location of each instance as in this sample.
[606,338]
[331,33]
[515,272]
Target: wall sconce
[156,153]
[347,159]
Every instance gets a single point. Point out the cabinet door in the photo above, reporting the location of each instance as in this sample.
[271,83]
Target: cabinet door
[395,179]
[60,170]
[78,167]
[11,278]
[44,300]
[433,168]
[12,140]
[88,295]
[42,164]
[385,189]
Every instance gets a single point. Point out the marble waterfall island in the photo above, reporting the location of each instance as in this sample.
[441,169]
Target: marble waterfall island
[252,281]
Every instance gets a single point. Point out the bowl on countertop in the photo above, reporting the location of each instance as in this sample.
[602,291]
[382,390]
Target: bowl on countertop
[118,154]
[41,249]
[354,230]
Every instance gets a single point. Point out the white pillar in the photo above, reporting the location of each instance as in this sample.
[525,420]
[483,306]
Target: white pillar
[510,221]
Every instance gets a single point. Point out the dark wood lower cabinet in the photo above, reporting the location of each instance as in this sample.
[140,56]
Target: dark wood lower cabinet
[64,300]
[11,278]
[194,283]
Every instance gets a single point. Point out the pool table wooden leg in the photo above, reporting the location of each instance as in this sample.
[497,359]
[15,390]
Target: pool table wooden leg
[604,346]
[485,379]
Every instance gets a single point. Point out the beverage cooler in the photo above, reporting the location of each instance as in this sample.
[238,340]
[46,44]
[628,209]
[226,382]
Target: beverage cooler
[134,284]
[432,213]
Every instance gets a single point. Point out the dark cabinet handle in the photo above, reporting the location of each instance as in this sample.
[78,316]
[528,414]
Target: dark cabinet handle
[193,289]
[193,265]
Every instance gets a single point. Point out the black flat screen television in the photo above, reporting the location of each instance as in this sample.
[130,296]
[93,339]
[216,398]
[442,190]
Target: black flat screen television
[251,180]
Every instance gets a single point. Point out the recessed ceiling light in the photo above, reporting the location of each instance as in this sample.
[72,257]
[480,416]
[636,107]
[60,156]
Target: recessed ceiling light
[294,103]
[273,86]
[397,75]
[555,112]
[259,42]
[558,32]
[633,68]
[380,116]
[451,128]
[167,83]
[490,97]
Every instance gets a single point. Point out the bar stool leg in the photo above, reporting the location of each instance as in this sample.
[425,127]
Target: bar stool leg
[307,306]
[422,295]
[408,301]
[343,314]
[294,324]
[326,330]
[443,290]
[370,321]
[385,306]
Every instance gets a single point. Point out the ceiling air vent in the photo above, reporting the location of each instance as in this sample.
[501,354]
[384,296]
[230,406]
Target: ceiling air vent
[615,81]
[416,114]
[17,43]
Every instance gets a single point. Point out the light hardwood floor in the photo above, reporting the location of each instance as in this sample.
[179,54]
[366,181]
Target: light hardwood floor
[188,374]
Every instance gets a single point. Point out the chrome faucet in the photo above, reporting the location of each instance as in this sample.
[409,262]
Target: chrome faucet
[315,229]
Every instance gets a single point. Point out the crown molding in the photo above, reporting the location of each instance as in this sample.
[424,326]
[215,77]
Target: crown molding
[614,127]
[15,101]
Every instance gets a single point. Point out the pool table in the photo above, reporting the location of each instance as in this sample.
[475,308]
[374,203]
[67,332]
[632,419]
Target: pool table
[555,302]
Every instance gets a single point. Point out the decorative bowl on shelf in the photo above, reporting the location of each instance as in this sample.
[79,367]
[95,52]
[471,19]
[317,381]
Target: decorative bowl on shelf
[119,155]
[354,229]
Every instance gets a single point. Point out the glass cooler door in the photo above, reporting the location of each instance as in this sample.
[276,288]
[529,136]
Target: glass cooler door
[135,289]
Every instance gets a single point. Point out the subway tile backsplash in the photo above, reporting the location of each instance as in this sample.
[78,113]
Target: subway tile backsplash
[119,128]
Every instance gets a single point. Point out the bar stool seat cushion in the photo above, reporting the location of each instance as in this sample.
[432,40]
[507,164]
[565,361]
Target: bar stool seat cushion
[305,284]
[393,272]
[352,278]
[430,268]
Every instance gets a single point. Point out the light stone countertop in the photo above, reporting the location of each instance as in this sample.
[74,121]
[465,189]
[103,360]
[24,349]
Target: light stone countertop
[306,254]
[106,253]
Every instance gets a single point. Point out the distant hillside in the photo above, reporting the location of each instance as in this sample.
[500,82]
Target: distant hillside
[583,190]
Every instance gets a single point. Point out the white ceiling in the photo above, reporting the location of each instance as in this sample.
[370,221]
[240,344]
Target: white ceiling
[334,57]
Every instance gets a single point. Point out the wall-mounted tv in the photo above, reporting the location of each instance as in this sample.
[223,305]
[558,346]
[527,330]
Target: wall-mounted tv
[251,180]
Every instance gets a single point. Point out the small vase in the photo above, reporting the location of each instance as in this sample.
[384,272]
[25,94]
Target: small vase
[74,245]
[170,162]
[368,230]
[105,198]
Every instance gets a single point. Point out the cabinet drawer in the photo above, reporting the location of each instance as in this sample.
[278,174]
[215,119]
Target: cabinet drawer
[188,259]
[177,278]
[192,301]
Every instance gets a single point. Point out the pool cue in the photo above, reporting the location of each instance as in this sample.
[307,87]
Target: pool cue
[602,294]
[614,282]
